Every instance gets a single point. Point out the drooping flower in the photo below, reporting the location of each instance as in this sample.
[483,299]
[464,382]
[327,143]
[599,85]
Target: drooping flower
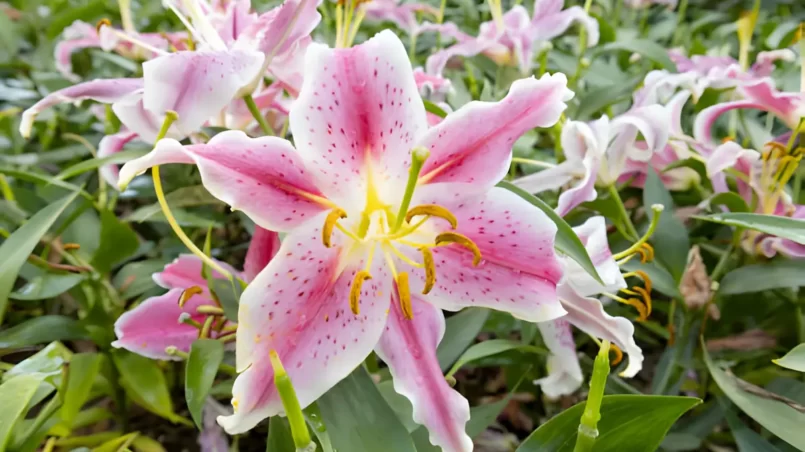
[597,153]
[511,38]
[388,222]
[173,319]
[586,313]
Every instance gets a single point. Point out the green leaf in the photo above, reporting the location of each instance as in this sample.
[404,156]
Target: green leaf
[745,438]
[14,397]
[228,294]
[93,9]
[135,278]
[145,383]
[202,366]
[489,348]
[120,444]
[460,331]
[45,180]
[182,197]
[81,374]
[644,47]
[639,421]
[41,330]
[794,359]
[775,415]
[760,277]
[47,286]
[670,240]
[21,243]
[279,435]
[661,280]
[783,227]
[567,241]
[731,200]
[47,362]
[358,418]
[95,163]
[430,107]
[600,98]
[118,242]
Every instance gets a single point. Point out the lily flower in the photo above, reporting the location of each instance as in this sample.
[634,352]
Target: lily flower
[598,152]
[176,318]
[402,14]
[388,222]
[671,4]
[587,313]
[512,38]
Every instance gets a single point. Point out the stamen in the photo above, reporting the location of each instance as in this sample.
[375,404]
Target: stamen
[430,269]
[496,8]
[618,354]
[404,290]
[638,245]
[401,256]
[71,246]
[642,275]
[329,223]
[101,23]
[355,291]
[634,302]
[189,292]
[418,157]
[210,310]
[205,329]
[644,294]
[339,24]
[432,210]
[459,239]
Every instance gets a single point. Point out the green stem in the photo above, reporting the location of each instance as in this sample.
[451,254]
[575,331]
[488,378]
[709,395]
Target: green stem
[616,16]
[680,18]
[627,221]
[267,129]
[721,266]
[299,431]
[655,220]
[588,427]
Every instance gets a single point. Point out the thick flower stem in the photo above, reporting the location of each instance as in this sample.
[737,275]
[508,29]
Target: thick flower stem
[588,427]
[299,431]
[613,191]
[170,117]
[252,106]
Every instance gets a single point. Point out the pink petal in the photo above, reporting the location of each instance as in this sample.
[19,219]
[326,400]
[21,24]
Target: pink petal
[277,30]
[263,177]
[132,113]
[549,21]
[725,156]
[358,107]
[197,84]
[429,84]
[593,234]
[764,62]
[551,178]
[102,90]
[588,315]
[519,270]
[408,347]
[110,145]
[466,48]
[185,272]
[564,373]
[154,325]
[474,144]
[79,35]
[582,192]
[262,249]
[298,306]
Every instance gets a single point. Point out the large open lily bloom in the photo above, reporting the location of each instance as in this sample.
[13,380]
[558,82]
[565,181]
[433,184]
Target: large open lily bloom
[377,243]
[598,152]
[789,107]
[587,314]
[162,321]
[512,38]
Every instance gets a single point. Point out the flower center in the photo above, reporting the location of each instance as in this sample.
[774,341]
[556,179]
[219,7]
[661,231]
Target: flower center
[380,226]
[778,165]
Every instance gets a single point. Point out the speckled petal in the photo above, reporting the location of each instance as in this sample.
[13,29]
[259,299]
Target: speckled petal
[474,144]
[409,349]
[262,248]
[358,111]
[298,306]
[264,177]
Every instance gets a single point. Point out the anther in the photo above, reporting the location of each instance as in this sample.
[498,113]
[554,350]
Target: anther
[434,211]
[404,290]
[210,310]
[430,269]
[618,354]
[459,239]
[71,246]
[643,276]
[101,23]
[355,291]
[329,224]
[188,293]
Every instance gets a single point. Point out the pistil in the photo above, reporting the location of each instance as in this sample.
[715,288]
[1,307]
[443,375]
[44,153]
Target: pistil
[418,157]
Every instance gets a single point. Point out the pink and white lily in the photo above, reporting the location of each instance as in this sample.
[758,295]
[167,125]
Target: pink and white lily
[401,13]
[162,321]
[586,313]
[512,38]
[360,269]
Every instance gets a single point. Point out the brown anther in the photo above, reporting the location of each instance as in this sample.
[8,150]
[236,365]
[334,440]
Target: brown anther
[101,23]
[329,223]
[188,293]
[646,298]
[71,246]
[432,210]
[355,291]
[446,238]
[643,276]
[430,269]
[646,253]
[618,354]
[642,311]
[404,291]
